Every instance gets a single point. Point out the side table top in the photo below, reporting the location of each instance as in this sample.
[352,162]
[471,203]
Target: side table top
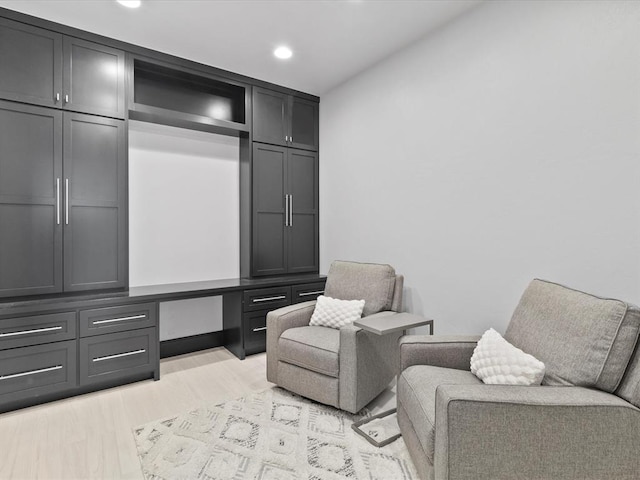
[392,323]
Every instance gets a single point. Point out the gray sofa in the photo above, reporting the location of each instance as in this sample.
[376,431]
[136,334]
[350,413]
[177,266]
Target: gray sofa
[583,422]
[346,367]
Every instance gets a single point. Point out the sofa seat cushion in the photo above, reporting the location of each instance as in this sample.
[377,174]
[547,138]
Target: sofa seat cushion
[373,283]
[417,395]
[583,340]
[311,347]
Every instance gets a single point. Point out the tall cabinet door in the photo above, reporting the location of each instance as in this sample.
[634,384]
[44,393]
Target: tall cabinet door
[270,116]
[302,176]
[30,200]
[93,78]
[30,64]
[269,182]
[95,203]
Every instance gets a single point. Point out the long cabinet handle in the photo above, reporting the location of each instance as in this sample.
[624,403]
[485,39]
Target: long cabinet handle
[260,329]
[291,210]
[286,210]
[119,355]
[58,201]
[120,319]
[268,299]
[306,294]
[57,96]
[27,332]
[30,372]
[66,99]
[66,200]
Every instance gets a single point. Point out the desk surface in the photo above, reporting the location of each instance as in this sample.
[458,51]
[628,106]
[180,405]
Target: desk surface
[160,293]
[392,323]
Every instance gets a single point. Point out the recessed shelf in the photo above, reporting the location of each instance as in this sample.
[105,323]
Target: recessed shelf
[172,95]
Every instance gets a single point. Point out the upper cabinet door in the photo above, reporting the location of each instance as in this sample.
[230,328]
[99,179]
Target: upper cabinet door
[270,117]
[94,163]
[30,64]
[304,124]
[93,78]
[30,200]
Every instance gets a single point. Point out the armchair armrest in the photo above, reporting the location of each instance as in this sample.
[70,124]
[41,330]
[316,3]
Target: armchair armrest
[499,432]
[278,321]
[447,351]
[367,364]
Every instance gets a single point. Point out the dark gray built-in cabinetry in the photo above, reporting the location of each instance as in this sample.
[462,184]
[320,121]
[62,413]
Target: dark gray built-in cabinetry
[46,68]
[285,210]
[62,201]
[284,119]
[69,323]
[249,335]
[53,351]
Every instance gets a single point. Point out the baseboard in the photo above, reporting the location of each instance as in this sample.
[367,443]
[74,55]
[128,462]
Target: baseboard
[195,343]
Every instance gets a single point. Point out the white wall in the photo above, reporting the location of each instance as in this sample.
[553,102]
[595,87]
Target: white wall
[183,218]
[183,205]
[502,147]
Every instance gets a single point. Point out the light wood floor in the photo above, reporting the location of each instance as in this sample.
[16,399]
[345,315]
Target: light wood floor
[89,436]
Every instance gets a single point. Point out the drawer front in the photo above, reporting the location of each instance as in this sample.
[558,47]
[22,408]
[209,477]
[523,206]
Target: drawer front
[306,292]
[117,319]
[266,298]
[37,329]
[117,355]
[31,371]
[254,326]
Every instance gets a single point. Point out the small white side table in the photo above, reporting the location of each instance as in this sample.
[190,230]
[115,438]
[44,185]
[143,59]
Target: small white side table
[383,326]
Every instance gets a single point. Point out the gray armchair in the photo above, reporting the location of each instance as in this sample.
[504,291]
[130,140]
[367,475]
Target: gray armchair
[582,423]
[347,367]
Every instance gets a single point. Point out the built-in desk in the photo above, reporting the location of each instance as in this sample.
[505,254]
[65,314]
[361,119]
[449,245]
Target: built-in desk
[57,346]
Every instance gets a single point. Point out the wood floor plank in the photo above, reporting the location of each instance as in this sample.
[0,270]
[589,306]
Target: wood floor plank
[90,436]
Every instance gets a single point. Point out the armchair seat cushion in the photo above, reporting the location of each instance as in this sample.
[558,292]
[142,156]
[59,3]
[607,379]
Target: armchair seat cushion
[417,387]
[313,348]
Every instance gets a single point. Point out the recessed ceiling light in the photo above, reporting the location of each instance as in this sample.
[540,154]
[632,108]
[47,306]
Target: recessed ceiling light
[130,3]
[283,52]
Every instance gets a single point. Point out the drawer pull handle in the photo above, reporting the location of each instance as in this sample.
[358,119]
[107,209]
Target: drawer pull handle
[119,355]
[259,329]
[121,319]
[27,332]
[32,372]
[268,299]
[306,294]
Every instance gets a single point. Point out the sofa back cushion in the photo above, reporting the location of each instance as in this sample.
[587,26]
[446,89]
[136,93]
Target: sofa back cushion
[582,339]
[370,282]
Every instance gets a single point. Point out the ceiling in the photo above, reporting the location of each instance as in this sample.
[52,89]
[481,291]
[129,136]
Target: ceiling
[332,40]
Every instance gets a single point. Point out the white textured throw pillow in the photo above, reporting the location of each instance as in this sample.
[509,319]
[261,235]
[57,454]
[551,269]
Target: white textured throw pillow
[334,313]
[496,361]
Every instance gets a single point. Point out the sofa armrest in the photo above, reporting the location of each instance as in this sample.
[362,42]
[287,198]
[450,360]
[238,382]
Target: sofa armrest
[447,351]
[278,321]
[367,364]
[493,431]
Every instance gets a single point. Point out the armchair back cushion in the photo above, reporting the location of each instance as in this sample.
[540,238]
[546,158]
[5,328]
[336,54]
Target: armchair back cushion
[373,283]
[583,340]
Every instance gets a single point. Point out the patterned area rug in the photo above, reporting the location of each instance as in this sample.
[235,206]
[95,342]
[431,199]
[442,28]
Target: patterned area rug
[270,435]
